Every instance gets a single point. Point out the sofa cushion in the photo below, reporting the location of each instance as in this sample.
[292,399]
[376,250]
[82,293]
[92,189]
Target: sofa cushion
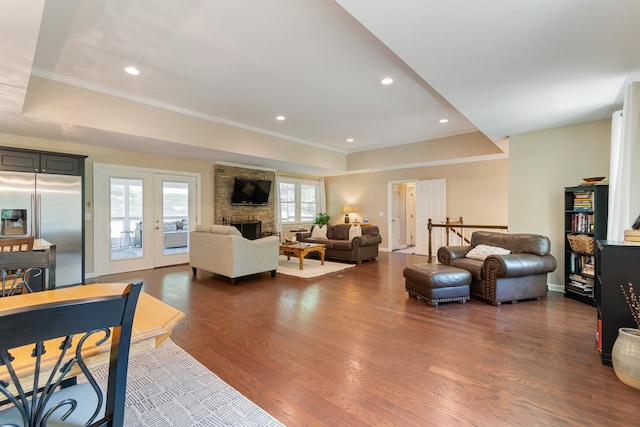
[342,245]
[218,229]
[482,251]
[338,232]
[473,266]
[355,231]
[319,232]
[328,244]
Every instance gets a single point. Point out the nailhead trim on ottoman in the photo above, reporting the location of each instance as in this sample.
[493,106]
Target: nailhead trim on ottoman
[437,283]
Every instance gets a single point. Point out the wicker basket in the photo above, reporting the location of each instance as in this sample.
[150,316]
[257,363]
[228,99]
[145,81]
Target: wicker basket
[581,243]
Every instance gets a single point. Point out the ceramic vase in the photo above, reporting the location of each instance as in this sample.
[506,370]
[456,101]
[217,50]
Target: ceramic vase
[626,356]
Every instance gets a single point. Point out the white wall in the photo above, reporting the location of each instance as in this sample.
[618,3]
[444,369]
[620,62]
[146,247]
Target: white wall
[476,191]
[541,164]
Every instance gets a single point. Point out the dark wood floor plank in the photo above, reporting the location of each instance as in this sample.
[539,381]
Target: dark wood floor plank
[352,349]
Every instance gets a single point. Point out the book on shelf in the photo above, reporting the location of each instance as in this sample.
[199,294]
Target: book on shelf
[588,269]
[582,222]
[594,183]
[632,237]
[577,263]
[583,201]
[579,291]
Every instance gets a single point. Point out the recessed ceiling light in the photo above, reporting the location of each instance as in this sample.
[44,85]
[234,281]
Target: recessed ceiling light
[444,120]
[281,118]
[132,70]
[350,139]
[386,81]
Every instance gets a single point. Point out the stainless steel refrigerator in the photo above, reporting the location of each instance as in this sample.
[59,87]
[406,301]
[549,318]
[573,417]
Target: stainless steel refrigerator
[48,207]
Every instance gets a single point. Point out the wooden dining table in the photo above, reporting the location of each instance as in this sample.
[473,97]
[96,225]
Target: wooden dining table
[152,323]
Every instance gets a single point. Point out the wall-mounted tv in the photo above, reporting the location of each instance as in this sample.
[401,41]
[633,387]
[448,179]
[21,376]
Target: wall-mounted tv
[250,191]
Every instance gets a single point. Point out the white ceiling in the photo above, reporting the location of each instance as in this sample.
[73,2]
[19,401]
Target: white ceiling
[497,66]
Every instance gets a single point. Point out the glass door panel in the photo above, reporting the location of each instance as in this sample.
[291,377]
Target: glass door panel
[175,212]
[175,217]
[123,207]
[126,214]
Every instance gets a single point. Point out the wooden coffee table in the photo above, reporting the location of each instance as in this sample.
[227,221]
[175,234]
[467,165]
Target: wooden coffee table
[302,249]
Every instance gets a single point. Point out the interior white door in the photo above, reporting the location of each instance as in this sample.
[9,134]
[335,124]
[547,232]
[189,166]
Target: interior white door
[431,202]
[175,215]
[395,217]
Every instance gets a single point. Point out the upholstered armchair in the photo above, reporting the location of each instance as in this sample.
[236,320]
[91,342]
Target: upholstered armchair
[498,276]
[222,250]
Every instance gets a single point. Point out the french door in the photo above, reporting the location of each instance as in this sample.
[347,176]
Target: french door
[142,217]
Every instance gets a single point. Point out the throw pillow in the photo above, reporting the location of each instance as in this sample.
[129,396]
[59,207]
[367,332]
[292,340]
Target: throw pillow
[354,231]
[319,232]
[480,252]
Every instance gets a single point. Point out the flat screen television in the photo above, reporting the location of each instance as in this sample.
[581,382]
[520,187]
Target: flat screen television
[250,192]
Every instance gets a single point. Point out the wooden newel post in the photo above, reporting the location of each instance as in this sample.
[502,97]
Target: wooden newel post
[447,230]
[430,228]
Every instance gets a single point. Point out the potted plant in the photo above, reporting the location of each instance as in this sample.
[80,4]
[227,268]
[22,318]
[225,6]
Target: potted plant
[625,355]
[322,219]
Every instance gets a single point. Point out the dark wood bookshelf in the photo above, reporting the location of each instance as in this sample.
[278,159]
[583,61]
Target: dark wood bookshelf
[589,219]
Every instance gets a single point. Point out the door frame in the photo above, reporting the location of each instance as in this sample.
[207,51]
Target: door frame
[101,195]
[390,185]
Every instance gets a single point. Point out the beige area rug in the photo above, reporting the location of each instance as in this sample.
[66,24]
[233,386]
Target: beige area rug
[166,386]
[312,267]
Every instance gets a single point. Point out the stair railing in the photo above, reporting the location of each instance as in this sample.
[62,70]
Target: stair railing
[457,233]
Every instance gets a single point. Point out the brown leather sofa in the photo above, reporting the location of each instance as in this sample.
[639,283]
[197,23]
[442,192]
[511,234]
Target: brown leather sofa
[339,247]
[520,275]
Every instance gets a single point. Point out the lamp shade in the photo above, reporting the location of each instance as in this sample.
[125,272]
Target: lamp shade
[346,210]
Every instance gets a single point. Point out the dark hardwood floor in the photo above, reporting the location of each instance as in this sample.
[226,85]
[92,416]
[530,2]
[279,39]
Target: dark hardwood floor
[352,349]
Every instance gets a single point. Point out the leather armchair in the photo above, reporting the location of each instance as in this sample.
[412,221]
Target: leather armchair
[520,275]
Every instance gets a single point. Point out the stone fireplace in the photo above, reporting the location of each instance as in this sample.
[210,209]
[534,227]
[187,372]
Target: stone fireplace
[226,213]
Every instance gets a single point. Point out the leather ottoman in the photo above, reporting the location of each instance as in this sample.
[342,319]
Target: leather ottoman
[437,283]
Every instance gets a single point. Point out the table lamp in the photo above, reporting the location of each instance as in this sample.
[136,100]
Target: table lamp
[346,210]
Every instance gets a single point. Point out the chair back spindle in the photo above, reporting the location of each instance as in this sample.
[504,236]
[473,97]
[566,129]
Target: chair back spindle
[59,334]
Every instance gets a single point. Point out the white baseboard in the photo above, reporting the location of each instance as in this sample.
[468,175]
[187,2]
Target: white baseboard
[555,288]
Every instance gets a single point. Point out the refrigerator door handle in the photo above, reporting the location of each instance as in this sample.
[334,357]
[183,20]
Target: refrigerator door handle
[38,218]
[33,215]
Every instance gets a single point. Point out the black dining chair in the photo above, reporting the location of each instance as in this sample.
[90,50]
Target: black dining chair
[14,273]
[67,330]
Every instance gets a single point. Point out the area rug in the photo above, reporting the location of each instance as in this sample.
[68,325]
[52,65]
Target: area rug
[166,386]
[311,267]
[409,250]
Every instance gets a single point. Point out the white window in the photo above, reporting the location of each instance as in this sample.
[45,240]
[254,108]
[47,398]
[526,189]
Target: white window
[298,200]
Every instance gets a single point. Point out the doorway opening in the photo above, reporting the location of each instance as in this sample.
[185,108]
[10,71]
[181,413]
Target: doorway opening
[410,204]
[402,219]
